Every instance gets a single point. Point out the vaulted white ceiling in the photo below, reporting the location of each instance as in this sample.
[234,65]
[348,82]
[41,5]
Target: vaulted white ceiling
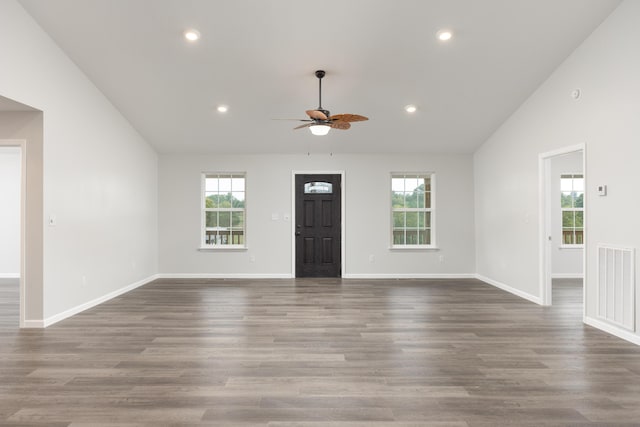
[258,57]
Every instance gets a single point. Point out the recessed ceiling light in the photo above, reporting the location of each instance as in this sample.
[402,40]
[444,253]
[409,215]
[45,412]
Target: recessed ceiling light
[444,35]
[192,35]
[223,109]
[410,108]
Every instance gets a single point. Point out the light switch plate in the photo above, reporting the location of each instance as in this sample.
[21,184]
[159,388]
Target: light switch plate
[602,190]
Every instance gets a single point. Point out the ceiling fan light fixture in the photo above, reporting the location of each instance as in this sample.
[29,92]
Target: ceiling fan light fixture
[410,109]
[319,130]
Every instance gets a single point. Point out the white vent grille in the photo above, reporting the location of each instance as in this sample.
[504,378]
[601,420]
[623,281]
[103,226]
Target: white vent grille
[616,285]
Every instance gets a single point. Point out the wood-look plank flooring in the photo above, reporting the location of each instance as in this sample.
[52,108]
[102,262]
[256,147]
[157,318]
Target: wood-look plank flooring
[315,353]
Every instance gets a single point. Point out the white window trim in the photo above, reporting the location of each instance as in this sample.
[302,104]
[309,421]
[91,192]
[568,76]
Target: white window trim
[217,248]
[432,210]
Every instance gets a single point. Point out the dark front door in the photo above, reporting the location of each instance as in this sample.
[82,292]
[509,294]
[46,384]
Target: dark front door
[318,224]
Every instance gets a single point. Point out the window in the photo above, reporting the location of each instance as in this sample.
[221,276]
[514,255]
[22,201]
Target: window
[572,207]
[318,187]
[412,213]
[223,210]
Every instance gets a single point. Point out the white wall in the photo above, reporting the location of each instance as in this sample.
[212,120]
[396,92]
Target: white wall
[606,67]
[566,262]
[100,176]
[368,191]
[10,165]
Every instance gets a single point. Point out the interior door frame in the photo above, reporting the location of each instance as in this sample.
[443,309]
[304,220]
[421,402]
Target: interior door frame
[295,173]
[544,176]
[22,145]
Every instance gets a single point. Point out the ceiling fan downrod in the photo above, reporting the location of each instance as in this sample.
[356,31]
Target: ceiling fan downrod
[320,74]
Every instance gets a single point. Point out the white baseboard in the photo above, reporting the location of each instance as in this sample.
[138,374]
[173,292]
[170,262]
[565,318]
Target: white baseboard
[510,289]
[224,276]
[613,330]
[408,276]
[567,276]
[9,275]
[87,305]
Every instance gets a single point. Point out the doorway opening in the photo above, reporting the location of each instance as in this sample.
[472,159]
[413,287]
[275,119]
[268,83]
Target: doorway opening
[11,233]
[563,232]
[318,224]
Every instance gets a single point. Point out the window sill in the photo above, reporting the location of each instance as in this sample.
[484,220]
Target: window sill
[563,247]
[222,248]
[414,248]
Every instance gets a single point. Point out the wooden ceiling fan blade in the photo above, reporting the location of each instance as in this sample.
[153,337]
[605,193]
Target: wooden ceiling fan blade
[304,126]
[339,124]
[317,115]
[348,118]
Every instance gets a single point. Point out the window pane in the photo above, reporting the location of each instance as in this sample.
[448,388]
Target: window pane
[237,219]
[427,184]
[579,237]
[578,183]
[427,200]
[397,199]
[566,200]
[398,237]
[237,184]
[211,219]
[421,184]
[424,237]
[568,237]
[568,219]
[211,201]
[397,184]
[410,200]
[224,220]
[398,219]
[579,200]
[318,187]
[566,183]
[579,219]
[211,185]
[411,237]
[224,200]
[422,219]
[236,238]
[412,219]
[237,199]
[428,220]
[224,184]
[420,199]
[410,184]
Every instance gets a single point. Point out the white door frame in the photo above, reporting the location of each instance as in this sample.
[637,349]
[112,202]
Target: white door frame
[343,258]
[22,145]
[544,196]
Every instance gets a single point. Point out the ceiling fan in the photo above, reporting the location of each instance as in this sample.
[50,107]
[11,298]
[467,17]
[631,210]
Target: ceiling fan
[321,121]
